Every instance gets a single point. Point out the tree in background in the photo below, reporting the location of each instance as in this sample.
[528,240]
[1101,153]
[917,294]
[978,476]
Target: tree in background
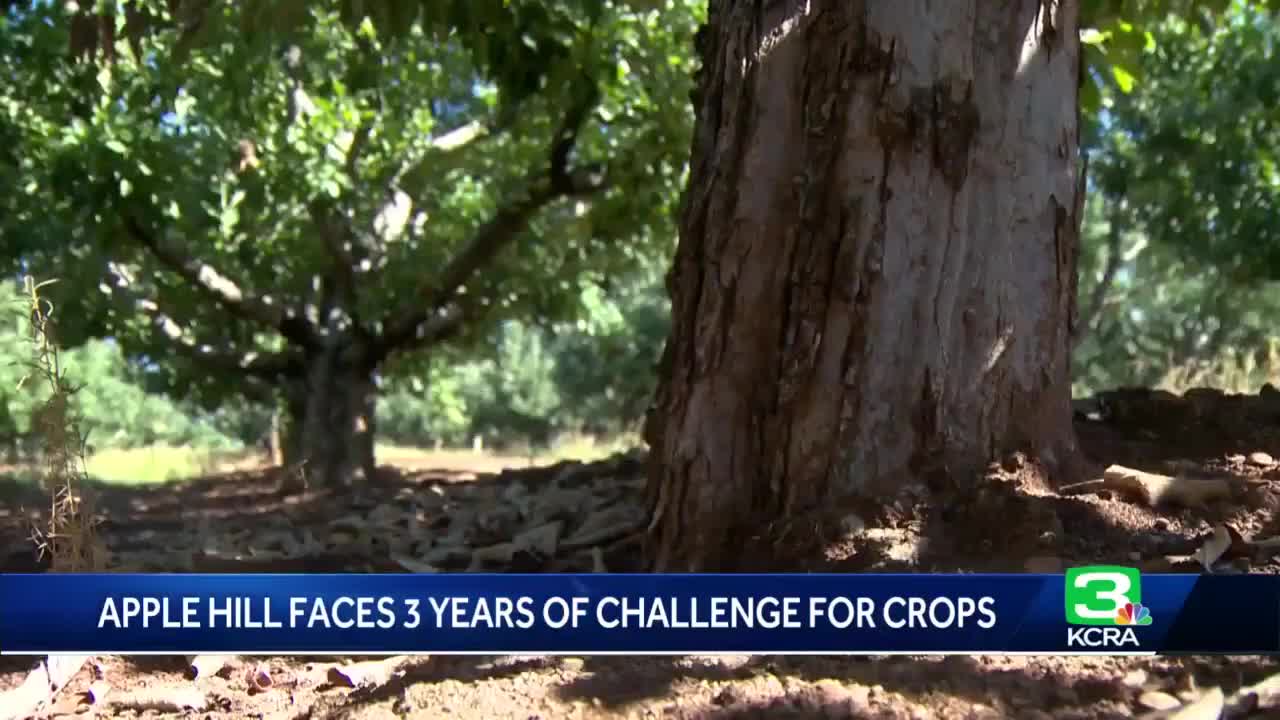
[1181,241]
[118,411]
[289,198]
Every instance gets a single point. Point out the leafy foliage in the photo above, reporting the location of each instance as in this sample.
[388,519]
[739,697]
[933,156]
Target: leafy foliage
[116,411]
[246,144]
[1184,192]
[1117,37]
[238,134]
[533,382]
[1192,152]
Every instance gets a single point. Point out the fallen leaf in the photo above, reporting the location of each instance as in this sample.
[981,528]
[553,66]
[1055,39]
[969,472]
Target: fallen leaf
[1156,700]
[601,527]
[498,554]
[207,665]
[1134,678]
[1239,548]
[165,699]
[1208,707]
[411,565]
[97,692]
[542,539]
[61,668]
[258,678]
[1214,548]
[66,705]
[40,686]
[449,556]
[366,674]
[1264,695]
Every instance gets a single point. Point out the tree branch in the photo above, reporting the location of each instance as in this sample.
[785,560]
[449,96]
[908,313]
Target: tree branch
[1097,299]
[263,365]
[441,327]
[358,142]
[412,325]
[333,231]
[222,289]
[460,137]
[441,147]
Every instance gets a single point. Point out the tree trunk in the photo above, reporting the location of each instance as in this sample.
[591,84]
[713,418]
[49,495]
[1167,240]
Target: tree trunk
[875,280]
[332,421]
[292,418]
[277,438]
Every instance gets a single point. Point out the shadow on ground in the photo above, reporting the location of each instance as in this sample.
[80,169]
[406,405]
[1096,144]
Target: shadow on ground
[1010,519]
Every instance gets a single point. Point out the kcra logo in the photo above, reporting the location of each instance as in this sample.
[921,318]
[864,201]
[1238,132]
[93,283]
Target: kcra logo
[1104,603]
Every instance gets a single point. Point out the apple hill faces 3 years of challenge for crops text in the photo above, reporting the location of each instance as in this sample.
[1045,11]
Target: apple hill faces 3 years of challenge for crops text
[523,612]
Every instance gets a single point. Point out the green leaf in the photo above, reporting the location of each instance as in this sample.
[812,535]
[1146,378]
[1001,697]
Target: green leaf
[1090,36]
[1124,79]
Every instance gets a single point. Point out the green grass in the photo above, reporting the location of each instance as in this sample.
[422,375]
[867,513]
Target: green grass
[160,464]
[590,449]
[134,466]
[569,447]
[149,465]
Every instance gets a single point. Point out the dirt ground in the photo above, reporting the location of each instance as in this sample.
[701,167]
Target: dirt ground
[584,517]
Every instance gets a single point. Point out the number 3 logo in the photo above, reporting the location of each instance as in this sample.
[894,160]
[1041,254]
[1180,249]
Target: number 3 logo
[1096,594]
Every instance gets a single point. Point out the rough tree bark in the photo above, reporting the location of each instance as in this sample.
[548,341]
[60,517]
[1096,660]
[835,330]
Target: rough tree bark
[335,432]
[875,278]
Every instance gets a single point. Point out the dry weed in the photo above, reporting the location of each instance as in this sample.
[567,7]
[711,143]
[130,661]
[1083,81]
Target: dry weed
[68,535]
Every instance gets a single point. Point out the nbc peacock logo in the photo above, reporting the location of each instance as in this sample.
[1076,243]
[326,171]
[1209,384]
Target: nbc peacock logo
[1133,614]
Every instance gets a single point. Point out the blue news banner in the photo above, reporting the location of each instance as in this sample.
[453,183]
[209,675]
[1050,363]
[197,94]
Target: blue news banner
[1099,609]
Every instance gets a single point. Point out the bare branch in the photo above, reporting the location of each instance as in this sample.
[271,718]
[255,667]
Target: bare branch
[221,288]
[263,365]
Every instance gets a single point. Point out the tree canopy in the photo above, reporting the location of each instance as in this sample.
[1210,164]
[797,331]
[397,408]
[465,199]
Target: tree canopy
[1180,257]
[212,183]
[208,189]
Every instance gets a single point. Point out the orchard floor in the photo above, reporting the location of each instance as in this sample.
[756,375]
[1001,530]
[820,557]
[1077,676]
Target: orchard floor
[421,517]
